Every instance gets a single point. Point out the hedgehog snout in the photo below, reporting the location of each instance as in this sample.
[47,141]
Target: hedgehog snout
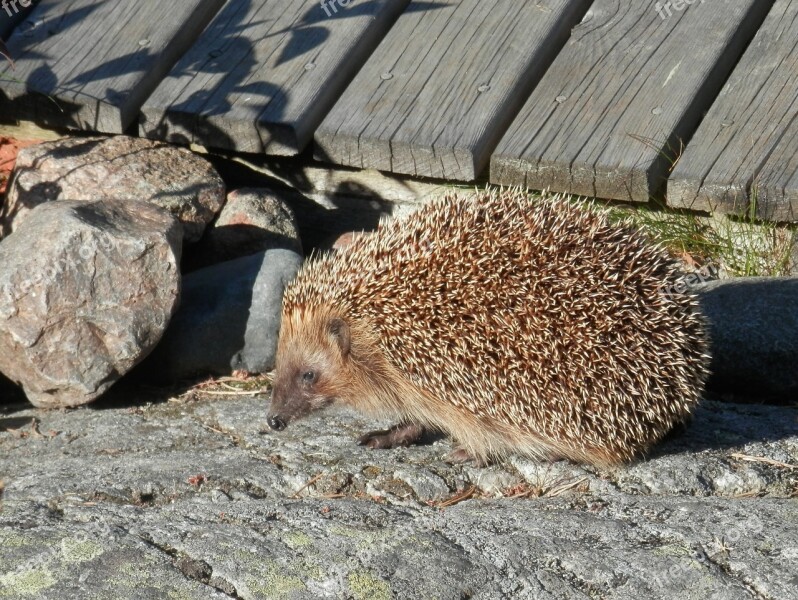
[276,416]
[277,423]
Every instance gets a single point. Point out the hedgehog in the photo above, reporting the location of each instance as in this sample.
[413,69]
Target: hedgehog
[535,327]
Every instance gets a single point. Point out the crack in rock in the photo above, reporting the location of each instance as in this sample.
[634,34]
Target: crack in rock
[192,568]
[728,573]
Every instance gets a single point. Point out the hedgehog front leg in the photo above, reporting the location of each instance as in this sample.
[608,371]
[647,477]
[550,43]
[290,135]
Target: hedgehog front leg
[401,435]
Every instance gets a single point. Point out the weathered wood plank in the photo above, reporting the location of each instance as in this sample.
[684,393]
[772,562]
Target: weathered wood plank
[775,188]
[90,64]
[12,12]
[265,72]
[747,145]
[443,86]
[609,117]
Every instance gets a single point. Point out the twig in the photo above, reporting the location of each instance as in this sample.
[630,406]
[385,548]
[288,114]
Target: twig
[762,459]
[464,495]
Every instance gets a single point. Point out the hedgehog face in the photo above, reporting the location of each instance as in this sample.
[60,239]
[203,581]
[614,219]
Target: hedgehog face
[310,360]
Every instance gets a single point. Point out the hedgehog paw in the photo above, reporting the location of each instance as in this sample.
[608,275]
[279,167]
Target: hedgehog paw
[397,436]
[460,456]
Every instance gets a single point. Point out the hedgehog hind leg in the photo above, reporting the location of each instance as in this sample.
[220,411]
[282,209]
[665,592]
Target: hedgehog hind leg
[401,435]
[461,455]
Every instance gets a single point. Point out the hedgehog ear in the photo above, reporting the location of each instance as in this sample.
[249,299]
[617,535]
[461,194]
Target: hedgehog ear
[339,330]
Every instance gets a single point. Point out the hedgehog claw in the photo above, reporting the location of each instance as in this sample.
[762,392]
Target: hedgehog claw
[397,436]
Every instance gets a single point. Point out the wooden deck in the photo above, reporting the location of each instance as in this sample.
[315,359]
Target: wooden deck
[694,103]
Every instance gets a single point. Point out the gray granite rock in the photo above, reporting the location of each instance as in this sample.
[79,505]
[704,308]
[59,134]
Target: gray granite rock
[192,498]
[229,318]
[86,291]
[118,167]
[754,335]
[252,220]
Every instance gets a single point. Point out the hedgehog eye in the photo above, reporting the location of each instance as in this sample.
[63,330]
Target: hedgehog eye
[308,377]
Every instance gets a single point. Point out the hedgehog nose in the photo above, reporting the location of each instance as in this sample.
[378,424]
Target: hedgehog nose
[276,423]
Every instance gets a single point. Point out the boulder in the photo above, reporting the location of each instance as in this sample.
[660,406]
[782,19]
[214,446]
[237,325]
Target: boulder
[86,291]
[252,220]
[753,328]
[229,318]
[115,168]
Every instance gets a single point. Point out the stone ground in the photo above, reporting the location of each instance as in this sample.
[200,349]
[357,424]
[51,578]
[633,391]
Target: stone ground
[190,497]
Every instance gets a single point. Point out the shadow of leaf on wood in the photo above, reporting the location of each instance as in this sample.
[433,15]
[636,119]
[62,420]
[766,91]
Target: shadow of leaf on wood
[38,103]
[202,115]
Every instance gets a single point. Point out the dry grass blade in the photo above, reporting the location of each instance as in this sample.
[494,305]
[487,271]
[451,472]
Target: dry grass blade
[4,52]
[762,459]
[220,431]
[34,429]
[243,389]
[749,494]
[452,500]
[308,483]
[540,490]
[235,393]
[561,487]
